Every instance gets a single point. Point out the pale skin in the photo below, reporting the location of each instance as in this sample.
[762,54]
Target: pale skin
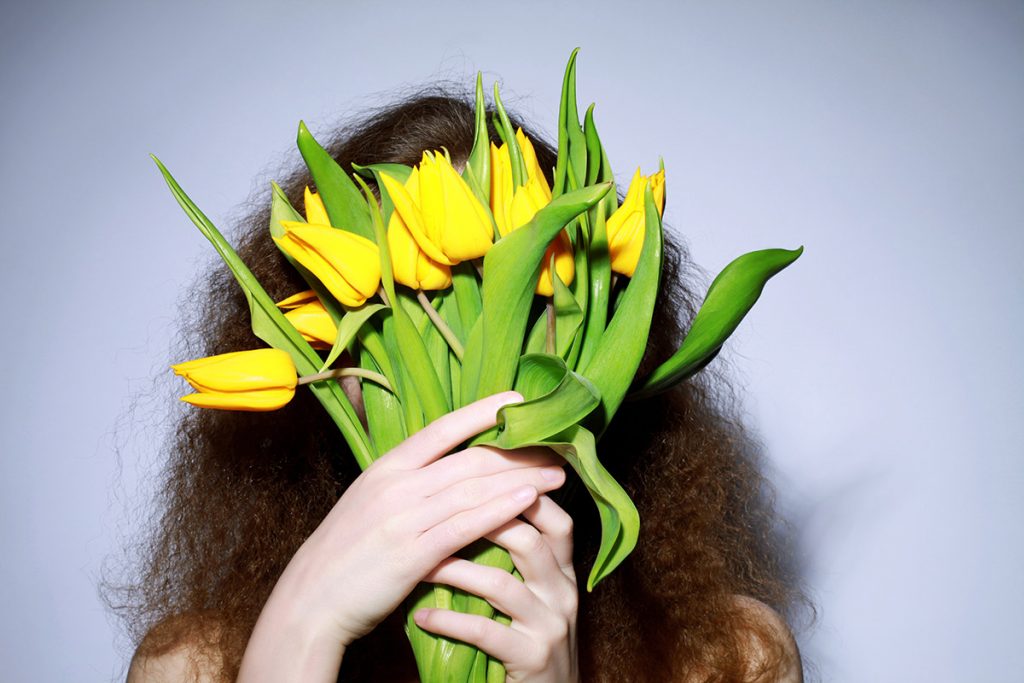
[400,523]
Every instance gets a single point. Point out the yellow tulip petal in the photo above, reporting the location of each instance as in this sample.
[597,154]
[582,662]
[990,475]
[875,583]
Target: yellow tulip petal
[432,275]
[316,212]
[296,300]
[501,188]
[431,199]
[402,197]
[533,169]
[565,266]
[315,324]
[658,190]
[255,401]
[467,231]
[627,244]
[410,265]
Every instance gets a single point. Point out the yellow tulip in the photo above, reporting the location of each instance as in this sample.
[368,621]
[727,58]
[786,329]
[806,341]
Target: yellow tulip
[347,264]
[312,322]
[440,212]
[626,226]
[263,379]
[515,208]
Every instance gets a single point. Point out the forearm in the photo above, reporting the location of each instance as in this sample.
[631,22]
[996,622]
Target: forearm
[286,645]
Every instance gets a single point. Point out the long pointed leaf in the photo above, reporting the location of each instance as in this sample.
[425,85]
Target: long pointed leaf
[731,296]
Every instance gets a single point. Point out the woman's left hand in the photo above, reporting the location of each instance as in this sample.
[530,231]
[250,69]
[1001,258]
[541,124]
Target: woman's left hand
[539,646]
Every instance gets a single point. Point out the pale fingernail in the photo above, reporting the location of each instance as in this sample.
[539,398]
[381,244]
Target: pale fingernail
[420,616]
[552,473]
[525,493]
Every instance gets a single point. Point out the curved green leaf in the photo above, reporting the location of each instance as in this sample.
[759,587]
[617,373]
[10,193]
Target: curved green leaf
[572,145]
[348,326]
[557,399]
[731,296]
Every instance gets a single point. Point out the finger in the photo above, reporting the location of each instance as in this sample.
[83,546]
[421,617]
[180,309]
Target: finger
[506,593]
[447,432]
[481,461]
[555,525]
[472,493]
[461,529]
[533,557]
[499,641]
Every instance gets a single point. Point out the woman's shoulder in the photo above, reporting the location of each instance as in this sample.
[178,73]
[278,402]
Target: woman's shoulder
[178,649]
[768,650]
[767,642]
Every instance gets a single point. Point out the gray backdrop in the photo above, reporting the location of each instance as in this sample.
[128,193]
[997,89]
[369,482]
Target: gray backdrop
[883,371]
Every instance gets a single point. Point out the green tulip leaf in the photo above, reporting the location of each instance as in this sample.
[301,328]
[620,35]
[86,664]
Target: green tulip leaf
[572,144]
[409,355]
[341,197]
[270,325]
[557,399]
[568,317]
[621,348]
[511,269]
[399,172]
[478,165]
[508,134]
[731,296]
[348,326]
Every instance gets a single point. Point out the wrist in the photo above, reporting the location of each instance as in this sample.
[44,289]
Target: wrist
[292,640]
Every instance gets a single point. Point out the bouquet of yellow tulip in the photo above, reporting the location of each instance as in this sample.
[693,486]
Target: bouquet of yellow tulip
[455,285]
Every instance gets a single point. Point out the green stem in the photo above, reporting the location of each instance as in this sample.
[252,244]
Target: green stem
[347,372]
[440,324]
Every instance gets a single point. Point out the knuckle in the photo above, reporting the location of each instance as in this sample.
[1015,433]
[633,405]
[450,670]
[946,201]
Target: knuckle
[562,525]
[480,631]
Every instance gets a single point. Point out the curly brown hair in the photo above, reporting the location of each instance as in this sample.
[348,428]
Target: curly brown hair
[241,491]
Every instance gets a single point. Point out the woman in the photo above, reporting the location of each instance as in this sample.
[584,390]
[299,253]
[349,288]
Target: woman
[275,559]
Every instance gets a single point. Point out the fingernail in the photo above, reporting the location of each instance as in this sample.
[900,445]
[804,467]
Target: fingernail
[420,616]
[525,493]
[552,473]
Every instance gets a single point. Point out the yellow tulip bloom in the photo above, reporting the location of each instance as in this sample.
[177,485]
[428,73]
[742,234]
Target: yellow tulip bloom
[626,226]
[440,212]
[347,264]
[263,379]
[514,209]
[314,323]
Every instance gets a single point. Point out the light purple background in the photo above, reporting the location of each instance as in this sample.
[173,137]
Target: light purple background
[883,370]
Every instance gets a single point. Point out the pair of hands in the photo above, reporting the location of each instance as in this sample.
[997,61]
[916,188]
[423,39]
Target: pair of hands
[400,523]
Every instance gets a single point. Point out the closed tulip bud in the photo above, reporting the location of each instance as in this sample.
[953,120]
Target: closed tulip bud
[515,208]
[440,212]
[626,226]
[259,380]
[347,264]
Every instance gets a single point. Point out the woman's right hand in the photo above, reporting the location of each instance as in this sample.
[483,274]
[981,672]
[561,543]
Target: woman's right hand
[398,520]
